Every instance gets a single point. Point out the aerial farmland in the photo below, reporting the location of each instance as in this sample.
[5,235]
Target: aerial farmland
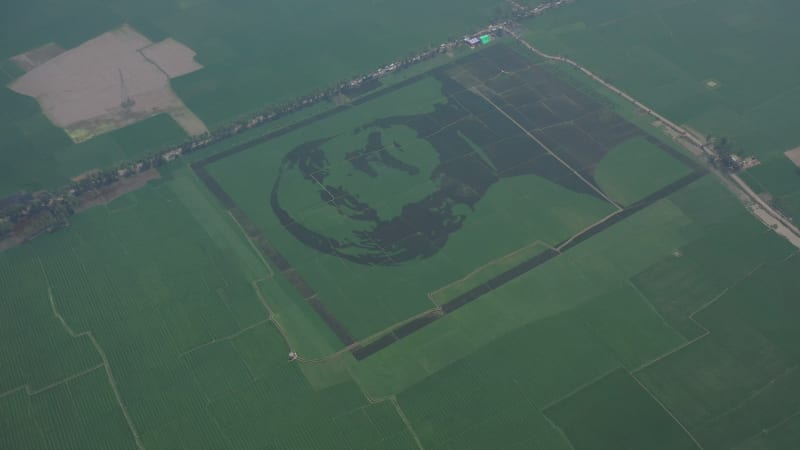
[424,225]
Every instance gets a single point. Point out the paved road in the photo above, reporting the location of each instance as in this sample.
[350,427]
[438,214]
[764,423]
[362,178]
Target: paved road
[755,204]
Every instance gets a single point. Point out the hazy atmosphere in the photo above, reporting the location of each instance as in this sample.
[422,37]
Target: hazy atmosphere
[361,224]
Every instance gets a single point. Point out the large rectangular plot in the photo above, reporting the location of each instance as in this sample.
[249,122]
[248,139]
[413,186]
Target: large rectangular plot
[521,95]
[514,151]
[507,59]
[564,107]
[574,146]
[471,101]
[477,148]
[607,128]
[536,116]
[615,413]
[481,68]
[502,83]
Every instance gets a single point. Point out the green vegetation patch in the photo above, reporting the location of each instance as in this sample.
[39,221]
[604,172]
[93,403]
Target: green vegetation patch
[486,273]
[474,401]
[742,377]
[165,285]
[38,155]
[389,197]
[635,169]
[562,284]
[629,325]
[778,179]
[9,71]
[393,205]
[617,413]
[715,66]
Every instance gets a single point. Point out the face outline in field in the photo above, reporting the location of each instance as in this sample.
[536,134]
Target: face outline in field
[393,190]
[349,180]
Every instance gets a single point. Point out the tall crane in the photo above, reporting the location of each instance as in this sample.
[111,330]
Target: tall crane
[127,101]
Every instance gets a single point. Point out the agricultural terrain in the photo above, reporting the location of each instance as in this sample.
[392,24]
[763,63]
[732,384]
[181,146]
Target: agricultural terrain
[489,253]
[390,196]
[719,67]
[253,55]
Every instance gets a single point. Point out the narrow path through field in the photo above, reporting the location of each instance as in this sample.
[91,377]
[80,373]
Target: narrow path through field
[664,407]
[545,147]
[407,422]
[225,338]
[30,392]
[755,204]
[103,357]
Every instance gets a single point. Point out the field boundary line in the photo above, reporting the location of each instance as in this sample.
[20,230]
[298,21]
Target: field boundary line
[583,386]
[391,328]
[487,264]
[153,63]
[724,291]
[406,421]
[769,430]
[252,245]
[579,233]
[271,317]
[706,331]
[225,338]
[558,429]
[389,398]
[109,373]
[664,407]
[372,400]
[535,139]
[673,351]
[26,387]
[755,394]
[655,311]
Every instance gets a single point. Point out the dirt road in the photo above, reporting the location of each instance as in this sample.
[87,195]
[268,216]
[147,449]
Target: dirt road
[755,204]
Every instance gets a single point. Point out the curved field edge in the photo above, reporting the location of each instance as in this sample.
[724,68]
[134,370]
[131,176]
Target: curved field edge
[636,169]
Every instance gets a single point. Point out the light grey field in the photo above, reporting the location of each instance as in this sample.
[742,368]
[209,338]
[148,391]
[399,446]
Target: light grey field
[81,90]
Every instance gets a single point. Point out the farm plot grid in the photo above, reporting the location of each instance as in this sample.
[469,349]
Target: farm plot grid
[389,213]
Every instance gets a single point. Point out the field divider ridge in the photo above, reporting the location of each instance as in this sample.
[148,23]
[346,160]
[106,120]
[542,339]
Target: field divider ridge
[552,153]
[103,357]
[226,338]
[667,410]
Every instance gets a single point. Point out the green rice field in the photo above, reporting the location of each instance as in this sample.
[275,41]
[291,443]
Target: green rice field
[255,55]
[665,52]
[485,253]
[439,142]
[37,155]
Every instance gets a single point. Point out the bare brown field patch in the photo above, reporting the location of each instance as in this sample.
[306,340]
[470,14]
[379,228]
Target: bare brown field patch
[172,57]
[83,90]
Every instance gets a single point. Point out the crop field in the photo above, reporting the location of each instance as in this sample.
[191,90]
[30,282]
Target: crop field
[665,52]
[255,55]
[115,329]
[592,343]
[38,155]
[390,196]
[486,254]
